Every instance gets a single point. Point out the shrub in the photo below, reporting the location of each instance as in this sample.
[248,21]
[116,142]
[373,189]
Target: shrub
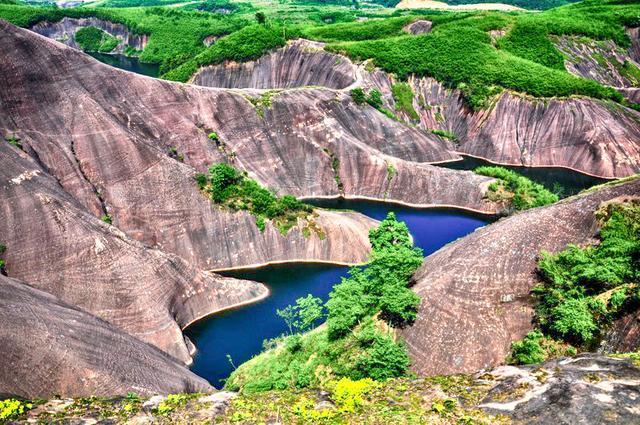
[382,359]
[302,316]
[358,96]
[375,99]
[518,190]
[92,39]
[11,409]
[403,96]
[528,350]
[223,177]
[348,394]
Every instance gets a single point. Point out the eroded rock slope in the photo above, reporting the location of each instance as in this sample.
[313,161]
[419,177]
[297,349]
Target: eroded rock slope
[55,245]
[475,291]
[300,63]
[106,136]
[64,31]
[49,347]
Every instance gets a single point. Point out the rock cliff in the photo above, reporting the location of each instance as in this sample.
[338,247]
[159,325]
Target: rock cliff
[107,135]
[300,63]
[64,31]
[49,347]
[475,291]
[55,245]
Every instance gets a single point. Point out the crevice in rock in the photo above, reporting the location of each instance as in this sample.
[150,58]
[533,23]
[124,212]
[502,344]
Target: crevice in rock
[96,191]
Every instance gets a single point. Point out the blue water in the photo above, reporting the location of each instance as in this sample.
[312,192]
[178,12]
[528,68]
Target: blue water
[128,63]
[239,333]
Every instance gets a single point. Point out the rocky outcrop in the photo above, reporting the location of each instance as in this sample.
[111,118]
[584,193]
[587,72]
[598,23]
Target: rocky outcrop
[418,27]
[475,291]
[64,31]
[587,135]
[300,63]
[602,61]
[588,389]
[49,347]
[57,246]
[623,336]
[106,135]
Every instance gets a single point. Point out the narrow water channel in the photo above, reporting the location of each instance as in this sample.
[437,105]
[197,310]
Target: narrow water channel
[563,181]
[128,63]
[239,333]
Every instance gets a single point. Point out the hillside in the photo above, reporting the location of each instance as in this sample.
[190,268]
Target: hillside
[329,212]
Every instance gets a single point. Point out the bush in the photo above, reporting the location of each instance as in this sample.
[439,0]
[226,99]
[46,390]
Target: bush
[11,409]
[403,96]
[528,350]
[348,394]
[518,190]
[223,177]
[584,289]
[92,39]
[358,96]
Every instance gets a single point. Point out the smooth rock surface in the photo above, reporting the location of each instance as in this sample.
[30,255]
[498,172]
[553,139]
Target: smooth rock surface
[55,245]
[48,347]
[300,63]
[587,389]
[476,291]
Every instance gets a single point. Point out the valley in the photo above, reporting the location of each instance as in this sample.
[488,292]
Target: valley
[380,212]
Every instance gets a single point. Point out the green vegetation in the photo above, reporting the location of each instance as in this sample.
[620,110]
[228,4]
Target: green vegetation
[357,341]
[525,4]
[249,43]
[106,218]
[3,249]
[358,96]
[516,190]
[445,134]
[584,289]
[436,400]
[228,187]
[12,409]
[92,39]
[14,141]
[403,95]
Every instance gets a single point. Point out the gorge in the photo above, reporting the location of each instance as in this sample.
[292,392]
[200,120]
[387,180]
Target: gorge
[195,227]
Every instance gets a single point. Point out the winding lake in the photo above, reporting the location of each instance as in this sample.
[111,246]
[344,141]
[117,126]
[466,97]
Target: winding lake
[128,63]
[563,181]
[239,333]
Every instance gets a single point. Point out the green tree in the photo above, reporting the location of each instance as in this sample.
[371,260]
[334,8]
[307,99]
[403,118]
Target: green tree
[261,18]
[528,350]
[223,176]
[302,316]
[358,96]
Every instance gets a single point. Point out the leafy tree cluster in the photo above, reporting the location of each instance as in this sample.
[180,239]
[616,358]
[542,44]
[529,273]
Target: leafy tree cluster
[518,190]
[92,39]
[584,289]
[249,43]
[403,96]
[227,186]
[525,4]
[356,342]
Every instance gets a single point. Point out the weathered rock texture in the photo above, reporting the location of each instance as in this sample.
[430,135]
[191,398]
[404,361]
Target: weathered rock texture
[624,335]
[49,347]
[475,291]
[588,389]
[55,245]
[588,135]
[106,135]
[418,27]
[602,61]
[64,31]
[300,63]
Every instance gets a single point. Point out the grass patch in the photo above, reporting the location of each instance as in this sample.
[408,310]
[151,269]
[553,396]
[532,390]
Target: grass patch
[516,190]
[403,96]
[227,187]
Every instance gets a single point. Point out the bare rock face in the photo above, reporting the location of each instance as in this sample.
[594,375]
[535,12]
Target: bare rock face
[602,61]
[64,31]
[587,135]
[49,347]
[475,291]
[106,136]
[57,246]
[300,63]
[588,389]
[623,336]
[419,27]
